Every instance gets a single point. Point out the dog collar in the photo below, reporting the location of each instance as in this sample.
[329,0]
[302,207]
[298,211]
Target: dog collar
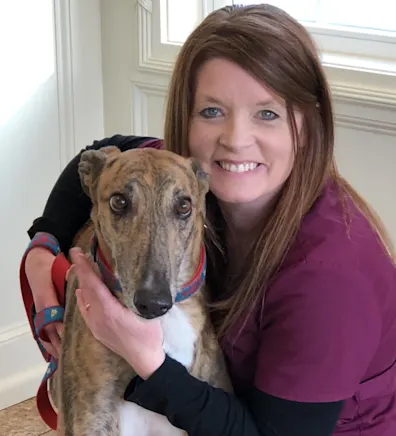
[111,281]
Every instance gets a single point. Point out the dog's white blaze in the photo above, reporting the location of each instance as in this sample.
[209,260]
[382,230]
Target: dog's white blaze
[179,341]
[150,281]
[179,336]
[137,421]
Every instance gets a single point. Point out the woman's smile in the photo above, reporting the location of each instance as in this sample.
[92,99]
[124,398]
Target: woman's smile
[238,169]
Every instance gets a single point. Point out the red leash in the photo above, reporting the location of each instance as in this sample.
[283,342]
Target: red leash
[47,316]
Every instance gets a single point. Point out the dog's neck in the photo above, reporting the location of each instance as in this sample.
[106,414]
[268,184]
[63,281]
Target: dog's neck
[187,290]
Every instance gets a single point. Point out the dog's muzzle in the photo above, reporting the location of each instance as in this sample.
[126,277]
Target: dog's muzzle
[152,303]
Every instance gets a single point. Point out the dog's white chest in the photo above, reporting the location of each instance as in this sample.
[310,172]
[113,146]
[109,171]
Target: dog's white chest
[137,421]
[179,336]
[179,343]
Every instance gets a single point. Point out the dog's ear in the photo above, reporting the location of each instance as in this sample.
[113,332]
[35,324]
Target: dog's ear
[111,150]
[202,177]
[89,168]
[91,165]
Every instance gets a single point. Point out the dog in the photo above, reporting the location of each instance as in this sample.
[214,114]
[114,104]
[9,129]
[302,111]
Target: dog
[146,238]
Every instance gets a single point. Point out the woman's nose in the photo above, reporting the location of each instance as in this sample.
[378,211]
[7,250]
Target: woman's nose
[237,133]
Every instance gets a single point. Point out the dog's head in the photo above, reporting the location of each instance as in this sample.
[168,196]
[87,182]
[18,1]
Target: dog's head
[148,212]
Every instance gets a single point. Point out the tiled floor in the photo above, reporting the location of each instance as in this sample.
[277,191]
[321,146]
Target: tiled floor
[23,420]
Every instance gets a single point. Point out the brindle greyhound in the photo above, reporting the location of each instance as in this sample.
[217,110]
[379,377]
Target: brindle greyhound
[147,225]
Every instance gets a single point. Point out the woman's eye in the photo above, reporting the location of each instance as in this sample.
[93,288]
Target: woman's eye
[268,115]
[210,112]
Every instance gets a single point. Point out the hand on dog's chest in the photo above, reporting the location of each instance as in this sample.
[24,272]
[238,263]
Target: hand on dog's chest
[179,336]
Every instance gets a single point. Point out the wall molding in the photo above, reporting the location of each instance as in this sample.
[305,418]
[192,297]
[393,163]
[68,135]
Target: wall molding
[146,4]
[366,124]
[79,76]
[19,381]
[146,60]
[364,96]
[365,109]
[139,93]
[15,331]
[64,62]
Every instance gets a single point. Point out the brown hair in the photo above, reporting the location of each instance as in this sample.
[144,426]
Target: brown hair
[278,51]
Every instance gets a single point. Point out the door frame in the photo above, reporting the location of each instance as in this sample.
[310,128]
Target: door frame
[78,51]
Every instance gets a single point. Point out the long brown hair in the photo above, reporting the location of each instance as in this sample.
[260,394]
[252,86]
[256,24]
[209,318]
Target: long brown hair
[278,51]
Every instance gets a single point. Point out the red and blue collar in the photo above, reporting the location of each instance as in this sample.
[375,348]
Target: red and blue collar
[111,281]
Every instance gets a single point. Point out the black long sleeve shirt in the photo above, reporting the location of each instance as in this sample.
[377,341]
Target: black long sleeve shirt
[201,410]
[190,404]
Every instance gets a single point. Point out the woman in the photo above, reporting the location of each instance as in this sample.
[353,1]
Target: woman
[304,289]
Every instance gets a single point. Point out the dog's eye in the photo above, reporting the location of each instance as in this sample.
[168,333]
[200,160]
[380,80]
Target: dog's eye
[183,207]
[118,203]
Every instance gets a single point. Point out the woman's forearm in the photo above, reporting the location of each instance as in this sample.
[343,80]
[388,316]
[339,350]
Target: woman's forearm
[191,404]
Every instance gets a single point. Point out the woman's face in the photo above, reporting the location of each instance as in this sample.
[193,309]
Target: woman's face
[240,134]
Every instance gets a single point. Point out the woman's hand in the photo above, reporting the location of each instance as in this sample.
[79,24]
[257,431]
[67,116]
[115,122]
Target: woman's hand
[38,267]
[137,340]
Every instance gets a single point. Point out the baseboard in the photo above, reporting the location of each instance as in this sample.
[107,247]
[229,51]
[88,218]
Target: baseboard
[21,386]
[22,366]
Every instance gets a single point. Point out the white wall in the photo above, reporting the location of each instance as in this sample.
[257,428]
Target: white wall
[29,130]
[366,147]
[51,105]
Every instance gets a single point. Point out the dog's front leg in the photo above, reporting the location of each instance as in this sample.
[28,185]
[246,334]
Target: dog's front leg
[90,390]
[60,431]
[92,413]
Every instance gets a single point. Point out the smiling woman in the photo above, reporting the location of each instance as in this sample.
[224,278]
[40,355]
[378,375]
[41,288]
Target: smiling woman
[300,270]
[240,132]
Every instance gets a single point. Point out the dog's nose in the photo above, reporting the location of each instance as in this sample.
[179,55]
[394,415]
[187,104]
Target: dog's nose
[152,305]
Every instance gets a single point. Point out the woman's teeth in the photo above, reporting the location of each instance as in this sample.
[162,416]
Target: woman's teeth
[239,168]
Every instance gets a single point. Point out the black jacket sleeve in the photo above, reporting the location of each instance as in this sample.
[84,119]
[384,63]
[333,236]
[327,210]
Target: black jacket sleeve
[68,207]
[202,410]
